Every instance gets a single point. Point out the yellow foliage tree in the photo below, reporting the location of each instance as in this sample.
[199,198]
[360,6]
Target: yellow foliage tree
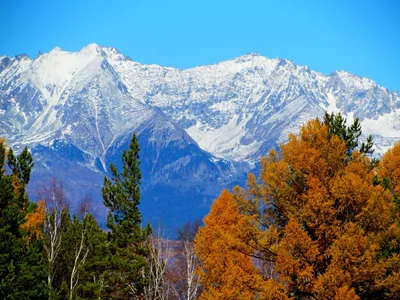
[226,271]
[34,222]
[389,168]
[389,177]
[320,217]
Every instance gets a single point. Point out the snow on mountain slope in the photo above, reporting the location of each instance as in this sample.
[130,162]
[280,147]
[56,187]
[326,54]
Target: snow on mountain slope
[203,126]
[76,115]
[234,109]
[67,94]
[239,108]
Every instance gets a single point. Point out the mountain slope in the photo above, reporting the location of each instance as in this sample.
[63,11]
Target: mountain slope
[80,120]
[199,129]
[237,109]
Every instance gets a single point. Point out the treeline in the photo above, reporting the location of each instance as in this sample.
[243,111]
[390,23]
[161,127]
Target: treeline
[321,221]
[45,253]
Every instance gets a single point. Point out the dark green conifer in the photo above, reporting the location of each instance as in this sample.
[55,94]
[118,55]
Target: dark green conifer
[350,135]
[92,284]
[121,194]
[22,274]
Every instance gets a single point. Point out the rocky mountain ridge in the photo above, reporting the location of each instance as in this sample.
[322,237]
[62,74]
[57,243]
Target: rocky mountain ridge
[200,129]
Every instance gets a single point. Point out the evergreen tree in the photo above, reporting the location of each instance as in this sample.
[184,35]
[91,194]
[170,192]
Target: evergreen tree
[337,126]
[92,276]
[22,274]
[121,194]
[83,253]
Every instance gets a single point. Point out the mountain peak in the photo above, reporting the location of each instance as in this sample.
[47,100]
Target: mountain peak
[248,56]
[22,56]
[57,49]
[113,54]
[112,50]
[93,48]
[253,54]
[340,73]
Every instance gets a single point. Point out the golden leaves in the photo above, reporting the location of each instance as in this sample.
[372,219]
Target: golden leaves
[346,293]
[34,222]
[392,281]
[328,215]
[273,290]
[227,271]
[317,213]
[296,256]
[390,167]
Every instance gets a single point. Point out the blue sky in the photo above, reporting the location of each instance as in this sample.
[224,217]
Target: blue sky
[362,37]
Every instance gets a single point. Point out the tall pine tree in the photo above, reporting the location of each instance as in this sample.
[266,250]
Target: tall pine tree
[121,194]
[21,248]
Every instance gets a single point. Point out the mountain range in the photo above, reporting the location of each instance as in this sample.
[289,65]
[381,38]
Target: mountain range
[200,129]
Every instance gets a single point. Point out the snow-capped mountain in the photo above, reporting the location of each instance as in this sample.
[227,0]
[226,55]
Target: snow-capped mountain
[237,109]
[200,129]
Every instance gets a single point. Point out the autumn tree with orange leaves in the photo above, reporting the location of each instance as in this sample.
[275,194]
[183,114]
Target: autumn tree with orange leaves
[34,222]
[225,272]
[321,218]
[389,177]
[321,213]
